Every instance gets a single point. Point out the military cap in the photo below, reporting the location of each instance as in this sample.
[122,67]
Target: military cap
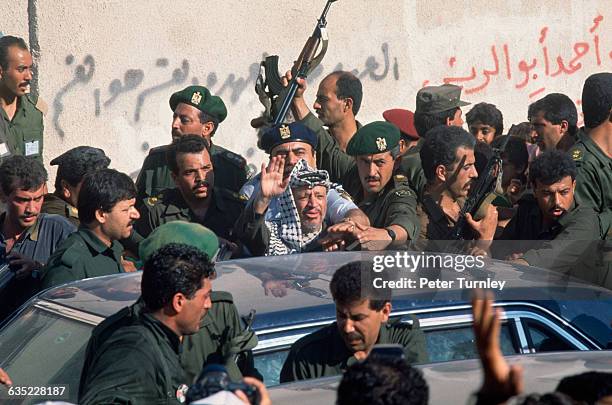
[435,99]
[375,137]
[404,120]
[75,163]
[283,133]
[187,233]
[200,98]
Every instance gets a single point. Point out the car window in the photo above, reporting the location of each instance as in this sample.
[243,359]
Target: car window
[544,339]
[269,364]
[41,349]
[457,343]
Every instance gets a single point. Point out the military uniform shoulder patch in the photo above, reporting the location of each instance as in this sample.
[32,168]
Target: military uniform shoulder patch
[577,154]
[151,201]
[403,192]
[72,211]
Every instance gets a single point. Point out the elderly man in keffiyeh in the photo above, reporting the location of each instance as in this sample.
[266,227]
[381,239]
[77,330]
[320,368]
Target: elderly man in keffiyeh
[302,198]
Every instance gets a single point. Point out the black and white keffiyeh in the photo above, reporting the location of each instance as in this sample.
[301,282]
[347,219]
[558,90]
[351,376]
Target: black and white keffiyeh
[286,236]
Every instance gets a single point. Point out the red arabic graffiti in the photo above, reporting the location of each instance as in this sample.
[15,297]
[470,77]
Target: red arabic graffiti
[529,70]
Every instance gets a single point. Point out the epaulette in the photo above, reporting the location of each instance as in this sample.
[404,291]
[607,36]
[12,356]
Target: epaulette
[401,183]
[577,155]
[234,158]
[221,296]
[71,211]
[232,195]
[151,201]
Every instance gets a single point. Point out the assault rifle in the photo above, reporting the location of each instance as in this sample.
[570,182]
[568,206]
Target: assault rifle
[481,192]
[276,97]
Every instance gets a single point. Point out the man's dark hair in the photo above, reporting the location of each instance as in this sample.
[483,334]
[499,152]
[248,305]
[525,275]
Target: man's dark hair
[21,172]
[172,269]
[486,114]
[382,380]
[349,86]
[556,107]
[522,131]
[352,283]
[551,166]
[185,144]
[588,387]
[74,170]
[5,43]
[440,148]
[597,99]
[102,190]
[552,398]
[423,122]
[205,117]
[515,151]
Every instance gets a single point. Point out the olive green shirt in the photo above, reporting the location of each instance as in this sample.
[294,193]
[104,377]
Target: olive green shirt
[220,340]
[572,245]
[324,353]
[412,168]
[82,255]
[395,204]
[225,208]
[594,180]
[25,130]
[138,364]
[55,205]
[329,156]
[155,176]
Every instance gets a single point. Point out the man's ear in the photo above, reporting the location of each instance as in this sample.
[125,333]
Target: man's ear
[573,185]
[564,126]
[178,302]
[207,129]
[441,173]
[100,216]
[65,190]
[386,311]
[348,104]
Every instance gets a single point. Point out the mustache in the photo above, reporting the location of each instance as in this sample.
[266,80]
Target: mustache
[557,207]
[200,184]
[373,178]
[353,336]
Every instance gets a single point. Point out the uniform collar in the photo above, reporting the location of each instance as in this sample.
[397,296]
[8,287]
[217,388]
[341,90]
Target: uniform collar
[31,232]
[92,240]
[171,337]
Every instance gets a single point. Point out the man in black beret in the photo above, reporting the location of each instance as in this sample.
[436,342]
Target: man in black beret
[72,166]
[196,111]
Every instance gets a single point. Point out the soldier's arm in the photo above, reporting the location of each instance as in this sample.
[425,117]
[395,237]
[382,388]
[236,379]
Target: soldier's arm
[401,214]
[251,231]
[587,191]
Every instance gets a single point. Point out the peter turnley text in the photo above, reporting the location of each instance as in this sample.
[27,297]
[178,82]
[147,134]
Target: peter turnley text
[423,282]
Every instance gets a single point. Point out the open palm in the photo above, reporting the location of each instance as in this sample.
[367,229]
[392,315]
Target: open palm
[272,183]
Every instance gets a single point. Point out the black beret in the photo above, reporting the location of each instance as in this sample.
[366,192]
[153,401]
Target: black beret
[77,162]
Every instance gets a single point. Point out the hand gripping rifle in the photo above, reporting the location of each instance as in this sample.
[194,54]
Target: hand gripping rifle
[276,97]
[483,191]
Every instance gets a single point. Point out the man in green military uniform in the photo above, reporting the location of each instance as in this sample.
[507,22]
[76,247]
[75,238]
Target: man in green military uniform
[593,151]
[435,106]
[73,166]
[139,363]
[197,112]
[106,211]
[362,320]
[221,338]
[447,156]
[384,197]
[195,198]
[551,229]
[20,112]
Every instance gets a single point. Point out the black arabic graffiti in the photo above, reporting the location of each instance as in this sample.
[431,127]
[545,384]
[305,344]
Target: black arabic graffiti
[233,86]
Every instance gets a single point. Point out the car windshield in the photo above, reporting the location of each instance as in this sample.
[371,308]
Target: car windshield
[44,349]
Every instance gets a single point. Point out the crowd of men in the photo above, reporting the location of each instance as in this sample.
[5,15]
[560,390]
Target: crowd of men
[331,183]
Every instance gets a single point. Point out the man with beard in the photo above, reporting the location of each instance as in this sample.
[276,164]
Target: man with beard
[107,211]
[554,118]
[302,198]
[293,142]
[198,112]
[195,197]
[551,228]
[27,236]
[448,163]
[139,363]
[362,320]
[20,112]
[384,197]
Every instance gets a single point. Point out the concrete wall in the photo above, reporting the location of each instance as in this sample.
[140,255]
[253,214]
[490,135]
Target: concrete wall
[107,67]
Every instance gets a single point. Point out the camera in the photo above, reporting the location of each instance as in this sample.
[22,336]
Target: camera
[214,378]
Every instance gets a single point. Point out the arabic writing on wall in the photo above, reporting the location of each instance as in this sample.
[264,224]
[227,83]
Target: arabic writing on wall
[531,71]
[231,89]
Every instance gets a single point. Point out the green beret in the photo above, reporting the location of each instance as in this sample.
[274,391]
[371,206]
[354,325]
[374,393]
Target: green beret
[187,233]
[376,137]
[200,98]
